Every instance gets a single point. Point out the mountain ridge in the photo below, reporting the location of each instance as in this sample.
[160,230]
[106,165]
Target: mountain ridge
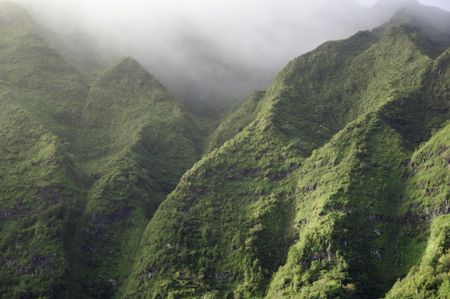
[243,271]
[332,183]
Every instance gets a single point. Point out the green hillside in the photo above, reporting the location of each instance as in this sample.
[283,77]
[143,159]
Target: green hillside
[332,183]
[41,98]
[135,143]
[306,201]
[84,165]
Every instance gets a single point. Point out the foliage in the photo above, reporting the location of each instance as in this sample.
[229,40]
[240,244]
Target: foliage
[333,183]
[306,200]
[83,167]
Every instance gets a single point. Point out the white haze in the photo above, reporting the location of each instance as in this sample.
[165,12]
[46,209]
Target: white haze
[205,49]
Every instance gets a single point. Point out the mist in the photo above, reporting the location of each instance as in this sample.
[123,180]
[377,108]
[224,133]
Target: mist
[205,50]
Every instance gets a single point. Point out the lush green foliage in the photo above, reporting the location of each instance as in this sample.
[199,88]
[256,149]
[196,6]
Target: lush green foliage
[426,199]
[307,200]
[83,168]
[333,183]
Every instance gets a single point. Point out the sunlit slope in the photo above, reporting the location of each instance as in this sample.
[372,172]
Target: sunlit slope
[364,235]
[297,205]
[424,240]
[333,183]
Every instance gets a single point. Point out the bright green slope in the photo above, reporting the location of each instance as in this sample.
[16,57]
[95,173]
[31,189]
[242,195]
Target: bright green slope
[334,183]
[425,233]
[310,199]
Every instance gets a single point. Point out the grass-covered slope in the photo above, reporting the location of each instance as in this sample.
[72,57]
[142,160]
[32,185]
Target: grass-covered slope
[342,191]
[425,230]
[351,243]
[40,96]
[135,143]
[50,88]
[334,183]
[83,165]
[39,192]
[304,201]
[203,236]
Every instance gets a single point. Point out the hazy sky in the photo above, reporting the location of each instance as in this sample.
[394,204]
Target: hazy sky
[208,48]
[444,4]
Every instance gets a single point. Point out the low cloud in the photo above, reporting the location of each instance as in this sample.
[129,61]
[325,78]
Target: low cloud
[204,49]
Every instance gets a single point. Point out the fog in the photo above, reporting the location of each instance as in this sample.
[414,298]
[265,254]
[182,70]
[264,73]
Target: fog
[205,49]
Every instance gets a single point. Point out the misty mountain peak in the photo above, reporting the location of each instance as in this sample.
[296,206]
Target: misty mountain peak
[128,74]
[430,15]
[431,22]
[125,67]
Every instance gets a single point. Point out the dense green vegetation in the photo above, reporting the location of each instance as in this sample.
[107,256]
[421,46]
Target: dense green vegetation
[332,183]
[425,236]
[40,186]
[307,200]
[84,165]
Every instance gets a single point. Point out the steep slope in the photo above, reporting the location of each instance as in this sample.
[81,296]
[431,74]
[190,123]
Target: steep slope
[340,251]
[49,87]
[83,167]
[423,237]
[135,144]
[334,183]
[40,94]
[424,241]
[368,191]
[285,209]
[39,193]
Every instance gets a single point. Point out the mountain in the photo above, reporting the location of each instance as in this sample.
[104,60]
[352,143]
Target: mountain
[337,187]
[85,163]
[332,183]
[40,99]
